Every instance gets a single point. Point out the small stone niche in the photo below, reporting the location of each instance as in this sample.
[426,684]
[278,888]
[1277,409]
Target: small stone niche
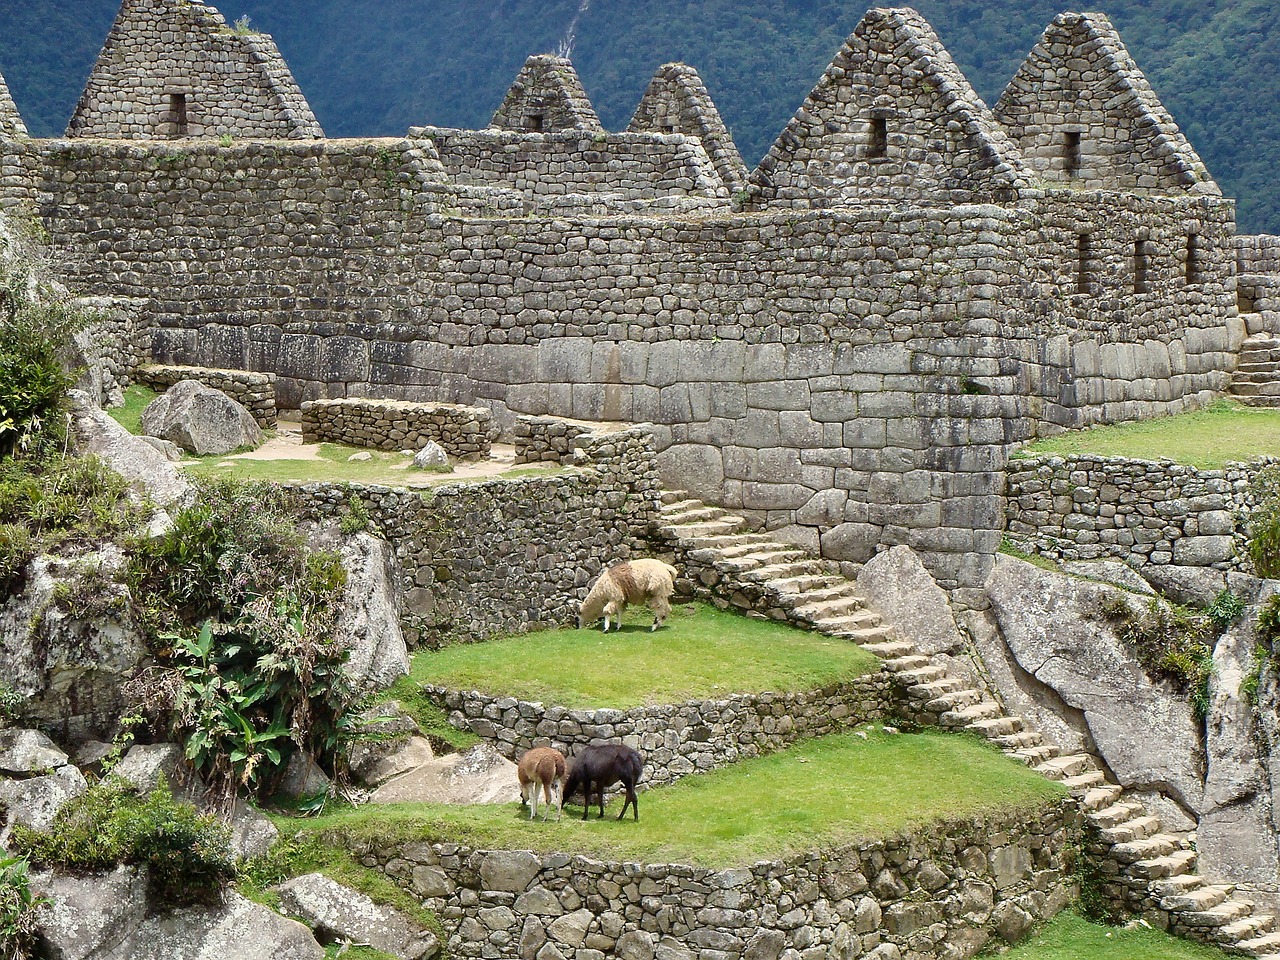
[1071,153]
[878,138]
[178,118]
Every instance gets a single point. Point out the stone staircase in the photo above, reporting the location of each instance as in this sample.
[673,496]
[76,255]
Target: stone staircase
[1256,381]
[1150,872]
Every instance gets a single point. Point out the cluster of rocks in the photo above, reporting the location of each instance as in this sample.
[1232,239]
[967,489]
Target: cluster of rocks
[547,439]
[503,556]
[1140,512]
[256,392]
[464,433]
[675,740]
[953,890]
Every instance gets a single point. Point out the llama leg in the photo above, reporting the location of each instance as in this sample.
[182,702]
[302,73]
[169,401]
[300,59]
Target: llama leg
[533,800]
[630,802]
[661,607]
[559,792]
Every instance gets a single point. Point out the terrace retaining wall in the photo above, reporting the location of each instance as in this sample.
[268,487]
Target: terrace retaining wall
[465,433]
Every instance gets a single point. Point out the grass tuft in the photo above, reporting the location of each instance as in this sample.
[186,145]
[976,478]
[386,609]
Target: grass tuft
[1070,937]
[1223,432]
[701,652]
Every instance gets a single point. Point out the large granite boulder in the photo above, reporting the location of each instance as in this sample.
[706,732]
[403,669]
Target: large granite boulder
[369,621]
[1056,631]
[201,420]
[89,916]
[34,802]
[339,914]
[899,588]
[237,928]
[69,664]
[480,775]
[148,471]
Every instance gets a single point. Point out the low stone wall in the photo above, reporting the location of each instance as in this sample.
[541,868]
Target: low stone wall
[944,892]
[1259,253]
[1138,511]
[675,740]
[547,439]
[506,556]
[465,433]
[254,391]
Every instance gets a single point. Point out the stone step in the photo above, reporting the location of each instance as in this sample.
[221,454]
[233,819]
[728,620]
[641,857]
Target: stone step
[996,727]
[812,587]
[1072,765]
[1246,389]
[722,526]
[746,562]
[985,710]
[912,661]
[1175,864]
[750,546]
[1246,928]
[1263,372]
[676,496]
[949,703]
[1261,402]
[1099,797]
[1117,813]
[847,606]
[1032,756]
[1148,848]
[1085,781]
[936,688]
[889,649]
[915,676]
[1267,946]
[1177,886]
[1218,916]
[863,636]
[1204,898]
[1019,741]
[1256,367]
[786,570]
[719,542]
[690,511]
[1139,828]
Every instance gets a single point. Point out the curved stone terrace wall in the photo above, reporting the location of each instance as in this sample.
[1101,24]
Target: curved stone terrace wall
[465,433]
[506,555]
[946,891]
[679,739]
[1139,511]
[254,391]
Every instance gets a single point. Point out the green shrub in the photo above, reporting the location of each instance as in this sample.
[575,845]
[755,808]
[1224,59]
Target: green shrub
[1225,609]
[1171,641]
[186,853]
[19,910]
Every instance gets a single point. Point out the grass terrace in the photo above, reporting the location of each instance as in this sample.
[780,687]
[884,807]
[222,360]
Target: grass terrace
[1070,937]
[817,794]
[700,653]
[1208,439]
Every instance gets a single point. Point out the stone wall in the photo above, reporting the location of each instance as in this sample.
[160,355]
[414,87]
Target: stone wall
[948,890]
[679,739]
[1258,254]
[11,125]
[547,95]
[256,392]
[627,166]
[109,350]
[547,439]
[465,433]
[506,556]
[1140,511]
[175,68]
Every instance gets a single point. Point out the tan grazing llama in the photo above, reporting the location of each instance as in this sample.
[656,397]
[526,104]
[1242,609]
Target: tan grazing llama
[542,767]
[634,581]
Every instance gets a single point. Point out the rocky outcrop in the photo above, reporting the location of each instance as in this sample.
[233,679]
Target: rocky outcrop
[201,420]
[147,469]
[369,622]
[89,916]
[899,588]
[339,914]
[480,775]
[238,928]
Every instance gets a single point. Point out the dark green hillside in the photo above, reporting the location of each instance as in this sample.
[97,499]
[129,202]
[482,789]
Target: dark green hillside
[378,66]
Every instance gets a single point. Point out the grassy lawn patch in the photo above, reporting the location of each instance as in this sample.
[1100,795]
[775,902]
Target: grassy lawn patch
[1070,937]
[334,465]
[701,652]
[136,399]
[816,794]
[1207,438]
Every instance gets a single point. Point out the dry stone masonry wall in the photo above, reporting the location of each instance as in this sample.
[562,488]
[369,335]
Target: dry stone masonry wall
[945,892]
[675,740]
[256,392]
[1140,511]
[546,96]
[11,125]
[547,439]
[175,68]
[465,433]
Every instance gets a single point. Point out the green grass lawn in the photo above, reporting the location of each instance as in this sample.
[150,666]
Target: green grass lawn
[335,465]
[816,794]
[1207,438]
[1071,937]
[701,652]
[136,399]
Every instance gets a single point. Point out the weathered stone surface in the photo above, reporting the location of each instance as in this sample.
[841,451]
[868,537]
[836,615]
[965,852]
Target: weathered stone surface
[432,457]
[480,775]
[338,913]
[1109,571]
[166,448]
[302,778]
[1196,586]
[147,765]
[389,743]
[148,471]
[91,915]
[571,929]
[239,928]
[252,834]
[25,752]
[509,871]
[201,420]
[1056,630]
[369,621]
[899,588]
[35,802]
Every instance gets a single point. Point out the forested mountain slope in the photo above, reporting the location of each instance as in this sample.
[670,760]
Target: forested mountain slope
[378,66]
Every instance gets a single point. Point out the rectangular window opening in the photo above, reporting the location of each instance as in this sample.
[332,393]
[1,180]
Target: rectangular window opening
[178,114]
[534,122]
[1193,259]
[878,139]
[1071,153]
[1084,264]
[1141,267]
[668,128]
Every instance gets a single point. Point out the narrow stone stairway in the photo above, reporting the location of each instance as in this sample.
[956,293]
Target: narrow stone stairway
[1151,872]
[1256,381]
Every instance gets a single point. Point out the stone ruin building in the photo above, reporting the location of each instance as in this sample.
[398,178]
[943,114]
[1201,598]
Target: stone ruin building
[844,344]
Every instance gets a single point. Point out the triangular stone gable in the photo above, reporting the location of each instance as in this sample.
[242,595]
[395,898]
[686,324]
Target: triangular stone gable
[547,96]
[1081,111]
[176,68]
[892,117]
[677,101]
[11,125]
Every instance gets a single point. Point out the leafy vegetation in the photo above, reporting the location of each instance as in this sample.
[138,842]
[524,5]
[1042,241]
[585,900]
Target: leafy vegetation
[1212,63]
[816,794]
[701,652]
[186,853]
[19,910]
[1264,522]
[1071,937]
[1223,432]
[1173,641]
